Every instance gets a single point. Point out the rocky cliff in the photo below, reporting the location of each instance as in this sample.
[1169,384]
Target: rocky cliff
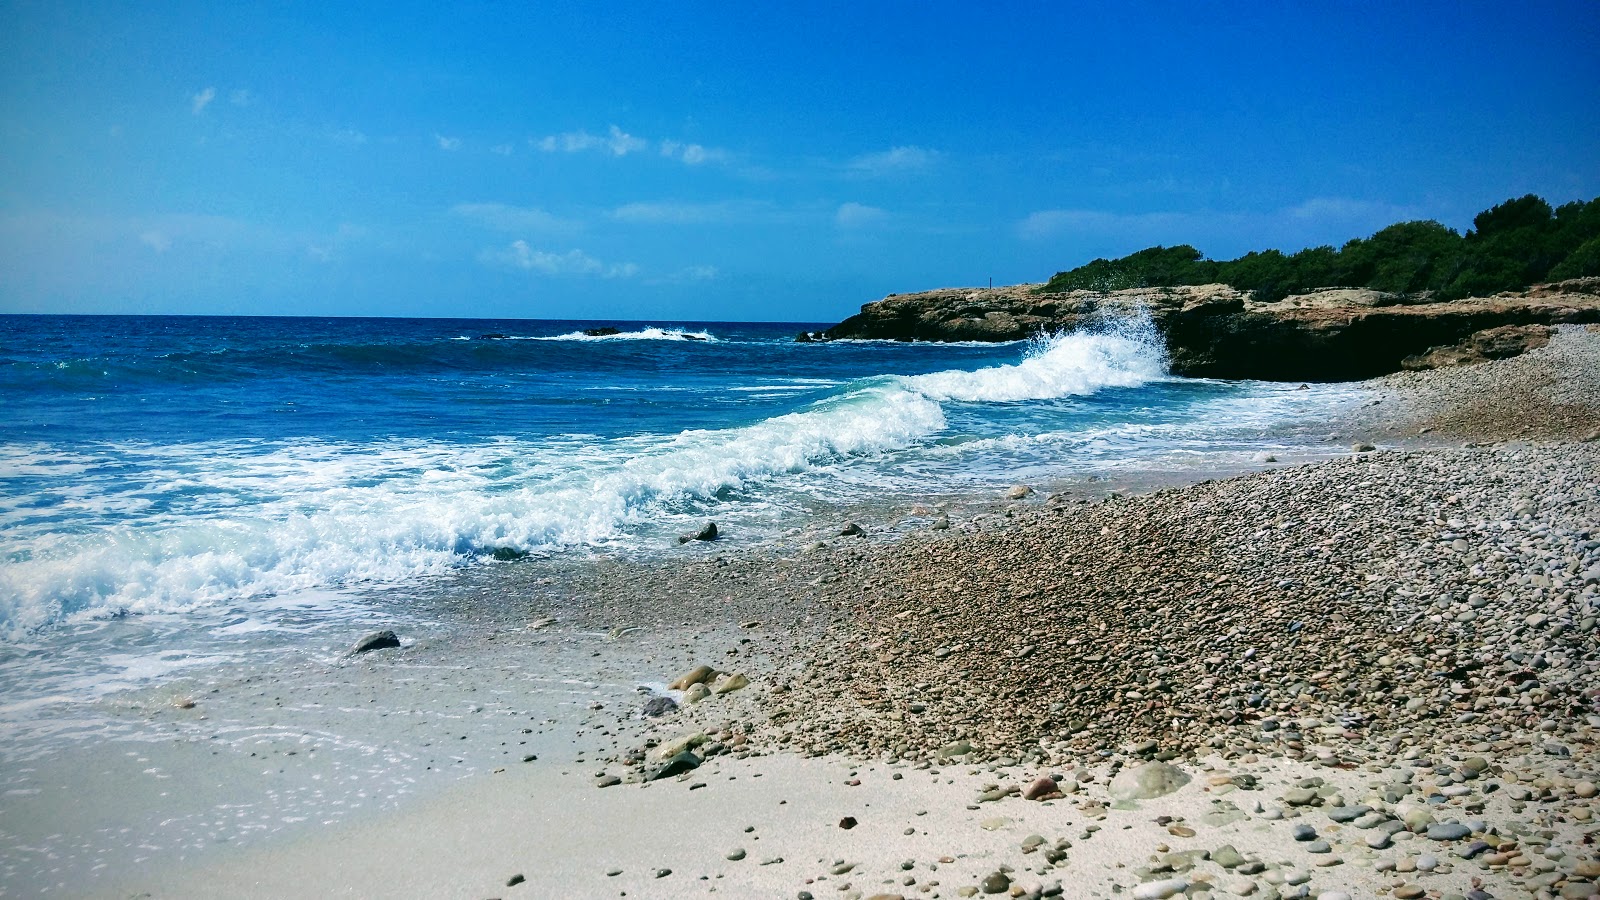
[1217,331]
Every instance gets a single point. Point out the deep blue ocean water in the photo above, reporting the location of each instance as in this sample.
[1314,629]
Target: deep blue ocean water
[193,491]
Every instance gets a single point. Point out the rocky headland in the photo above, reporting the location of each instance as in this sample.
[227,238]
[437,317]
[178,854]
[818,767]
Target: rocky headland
[1217,331]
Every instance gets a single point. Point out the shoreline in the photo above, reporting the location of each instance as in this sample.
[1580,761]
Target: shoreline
[826,618]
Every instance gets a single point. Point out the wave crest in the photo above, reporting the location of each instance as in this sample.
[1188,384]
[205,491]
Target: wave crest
[289,517]
[651,333]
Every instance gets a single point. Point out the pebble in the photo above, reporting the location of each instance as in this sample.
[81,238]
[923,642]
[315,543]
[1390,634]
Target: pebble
[1160,890]
[1448,831]
[995,883]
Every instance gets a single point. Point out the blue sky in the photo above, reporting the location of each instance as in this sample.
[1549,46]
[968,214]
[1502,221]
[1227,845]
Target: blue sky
[729,161]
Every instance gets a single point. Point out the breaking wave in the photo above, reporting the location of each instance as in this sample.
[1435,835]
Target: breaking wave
[143,527]
[645,334]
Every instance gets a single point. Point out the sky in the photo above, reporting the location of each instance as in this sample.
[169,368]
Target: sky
[688,161]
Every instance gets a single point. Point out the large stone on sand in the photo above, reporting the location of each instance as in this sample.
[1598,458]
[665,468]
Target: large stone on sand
[1153,779]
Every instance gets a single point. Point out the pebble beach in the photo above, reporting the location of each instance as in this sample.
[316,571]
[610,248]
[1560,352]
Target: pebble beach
[1366,676]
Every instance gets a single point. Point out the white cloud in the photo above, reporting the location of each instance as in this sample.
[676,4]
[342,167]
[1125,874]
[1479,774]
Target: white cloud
[696,273]
[519,255]
[199,102]
[447,143]
[691,154]
[1321,220]
[1313,215]
[616,141]
[894,160]
[857,215]
[505,217]
[502,149]
[241,97]
[1345,209]
[156,241]
[620,143]
[679,213]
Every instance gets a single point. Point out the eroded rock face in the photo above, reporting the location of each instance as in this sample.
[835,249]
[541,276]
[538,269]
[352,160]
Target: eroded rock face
[1217,331]
[1481,346]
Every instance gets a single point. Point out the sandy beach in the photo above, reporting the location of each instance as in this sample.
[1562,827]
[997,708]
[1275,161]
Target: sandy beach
[1371,675]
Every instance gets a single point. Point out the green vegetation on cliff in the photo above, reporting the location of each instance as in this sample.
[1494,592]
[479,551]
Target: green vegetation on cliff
[1515,244]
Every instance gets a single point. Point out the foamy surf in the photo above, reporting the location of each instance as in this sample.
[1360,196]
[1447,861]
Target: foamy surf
[644,334]
[222,523]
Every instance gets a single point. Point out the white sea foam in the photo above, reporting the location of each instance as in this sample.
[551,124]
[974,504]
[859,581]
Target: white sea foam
[651,333]
[1122,355]
[222,523]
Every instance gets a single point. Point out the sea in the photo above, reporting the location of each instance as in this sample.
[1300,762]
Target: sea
[183,492]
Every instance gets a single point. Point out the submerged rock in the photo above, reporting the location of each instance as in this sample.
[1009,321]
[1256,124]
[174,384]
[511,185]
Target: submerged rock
[377,640]
[707,532]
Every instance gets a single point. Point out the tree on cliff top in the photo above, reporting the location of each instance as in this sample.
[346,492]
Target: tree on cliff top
[1510,246]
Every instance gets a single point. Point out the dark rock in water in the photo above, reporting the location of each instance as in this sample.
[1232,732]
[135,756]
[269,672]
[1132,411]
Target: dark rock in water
[803,337]
[659,706]
[686,761]
[606,331]
[693,337]
[507,554]
[708,532]
[378,640]
[493,337]
[851,529]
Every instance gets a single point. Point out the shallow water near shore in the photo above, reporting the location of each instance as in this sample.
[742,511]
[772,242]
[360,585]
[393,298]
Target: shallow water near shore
[196,506]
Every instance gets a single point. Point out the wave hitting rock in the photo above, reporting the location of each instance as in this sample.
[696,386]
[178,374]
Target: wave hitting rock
[1216,331]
